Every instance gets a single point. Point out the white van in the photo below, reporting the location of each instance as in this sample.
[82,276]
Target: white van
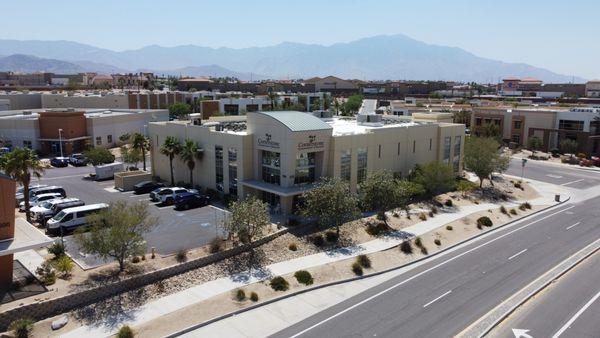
[70,219]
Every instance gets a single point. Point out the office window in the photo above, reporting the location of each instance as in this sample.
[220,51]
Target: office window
[478,121]
[570,125]
[456,159]
[379,152]
[109,139]
[232,165]
[516,138]
[361,172]
[345,165]
[517,124]
[447,144]
[27,144]
[98,140]
[414,146]
[398,149]
[305,168]
[271,173]
[219,167]
[430,143]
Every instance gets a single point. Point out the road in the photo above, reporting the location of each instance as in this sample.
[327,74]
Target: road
[570,307]
[572,178]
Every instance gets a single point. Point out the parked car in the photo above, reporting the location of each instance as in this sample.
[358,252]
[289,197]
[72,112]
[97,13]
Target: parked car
[38,199]
[48,209]
[19,197]
[188,200]
[40,190]
[146,187]
[72,218]
[166,196]
[59,162]
[78,160]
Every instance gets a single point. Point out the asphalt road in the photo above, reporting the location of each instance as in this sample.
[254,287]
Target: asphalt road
[570,307]
[444,296]
[572,178]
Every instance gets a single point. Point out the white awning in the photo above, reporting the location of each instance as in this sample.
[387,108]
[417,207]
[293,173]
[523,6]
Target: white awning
[26,237]
[277,189]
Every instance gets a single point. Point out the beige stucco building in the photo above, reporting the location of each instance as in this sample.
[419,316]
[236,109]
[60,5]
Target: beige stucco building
[276,156]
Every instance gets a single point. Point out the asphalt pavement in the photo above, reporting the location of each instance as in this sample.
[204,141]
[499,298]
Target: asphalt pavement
[553,174]
[570,307]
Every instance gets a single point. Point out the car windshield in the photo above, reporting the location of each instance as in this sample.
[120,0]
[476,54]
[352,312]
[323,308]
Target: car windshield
[46,205]
[59,216]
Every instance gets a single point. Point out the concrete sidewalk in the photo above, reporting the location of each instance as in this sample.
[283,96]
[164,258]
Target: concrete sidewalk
[182,299]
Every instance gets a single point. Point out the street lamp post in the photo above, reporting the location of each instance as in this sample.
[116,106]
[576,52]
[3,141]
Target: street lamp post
[60,141]
[523,162]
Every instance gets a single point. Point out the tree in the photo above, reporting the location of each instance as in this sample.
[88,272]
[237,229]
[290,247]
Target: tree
[337,106]
[248,221]
[189,154]
[331,203]
[130,155]
[170,148]
[20,164]
[117,232]
[462,116]
[534,144]
[98,156]
[273,98]
[380,192]
[352,105]
[568,146]
[179,110]
[483,157]
[435,177]
[141,143]
[491,130]
[125,138]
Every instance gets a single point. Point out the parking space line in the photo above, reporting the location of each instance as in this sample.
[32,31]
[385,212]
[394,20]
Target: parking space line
[438,298]
[518,253]
[572,182]
[571,226]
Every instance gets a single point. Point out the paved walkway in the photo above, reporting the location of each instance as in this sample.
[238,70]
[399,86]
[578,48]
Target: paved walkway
[182,299]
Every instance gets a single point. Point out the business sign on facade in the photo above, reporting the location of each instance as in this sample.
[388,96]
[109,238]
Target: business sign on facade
[267,142]
[311,144]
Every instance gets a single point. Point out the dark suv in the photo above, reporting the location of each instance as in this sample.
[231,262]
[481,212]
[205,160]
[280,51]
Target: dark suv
[188,200]
[59,162]
[146,187]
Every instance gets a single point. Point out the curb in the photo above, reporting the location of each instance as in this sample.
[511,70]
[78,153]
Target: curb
[566,166]
[549,276]
[342,281]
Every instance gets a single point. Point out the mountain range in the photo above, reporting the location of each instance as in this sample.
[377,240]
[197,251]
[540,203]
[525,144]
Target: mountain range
[375,58]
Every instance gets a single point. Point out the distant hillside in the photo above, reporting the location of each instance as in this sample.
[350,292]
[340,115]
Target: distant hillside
[210,71]
[30,64]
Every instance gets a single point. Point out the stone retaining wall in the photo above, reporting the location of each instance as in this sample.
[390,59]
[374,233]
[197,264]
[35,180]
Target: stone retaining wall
[53,307]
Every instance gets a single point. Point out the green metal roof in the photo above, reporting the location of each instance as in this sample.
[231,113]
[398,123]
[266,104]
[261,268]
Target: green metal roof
[298,121]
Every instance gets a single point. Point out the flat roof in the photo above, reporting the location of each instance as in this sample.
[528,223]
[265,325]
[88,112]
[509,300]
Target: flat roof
[26,237]
[349,126]
[298,121]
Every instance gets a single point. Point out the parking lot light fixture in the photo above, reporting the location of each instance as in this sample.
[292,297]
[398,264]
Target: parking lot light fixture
[60,141]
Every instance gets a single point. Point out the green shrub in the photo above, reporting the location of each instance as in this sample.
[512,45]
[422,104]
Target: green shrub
[424,250]
[57,249]
[304,277]
[21,327]
[448,203]
[331,236]
[64,265]
[357,269]
[181,255]
[422,216]
[135,259]
[279,284]
[503,210]
[254,296]
[381,216]
[318,240]
[513,211]
[527,205]
[406,247]
[47,273]
[479,226]
[377,229]
[418,242]
[431,214]
[518,185]
[143,257]
[437,242]
[215,245]
[484,221]
[293,247]
[449,227]
[240,295]
[125,332]
[364,261]
[395,214]
[434,210]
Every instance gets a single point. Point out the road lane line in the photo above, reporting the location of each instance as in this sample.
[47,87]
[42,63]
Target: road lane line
[574,318]
[572,182]
[435,300]
[60,177]
[574,225]
[518,253]
[425,272]
[554,176]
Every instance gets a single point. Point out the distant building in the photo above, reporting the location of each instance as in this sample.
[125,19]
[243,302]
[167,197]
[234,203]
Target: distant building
[530,87]
[592,88]
[331,84]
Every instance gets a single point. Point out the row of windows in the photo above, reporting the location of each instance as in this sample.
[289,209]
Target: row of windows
[570,125]
[109,140]
[232,169]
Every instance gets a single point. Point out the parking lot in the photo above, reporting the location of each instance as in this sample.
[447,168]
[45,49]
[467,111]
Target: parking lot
[175,230]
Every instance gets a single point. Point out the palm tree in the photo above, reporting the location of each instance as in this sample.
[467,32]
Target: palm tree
[189,153]
[170,148]
[273,97]
[20,164]
[140,143]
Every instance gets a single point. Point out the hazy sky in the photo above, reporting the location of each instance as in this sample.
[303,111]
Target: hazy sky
[562,36]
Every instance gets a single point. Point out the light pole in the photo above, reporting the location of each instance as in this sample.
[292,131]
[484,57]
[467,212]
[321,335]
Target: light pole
[60,141]
[523,162]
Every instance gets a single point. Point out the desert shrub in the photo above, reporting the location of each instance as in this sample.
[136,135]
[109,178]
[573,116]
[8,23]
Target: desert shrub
[518,185]
[484,221]
[47,273]
[331,236]
[57,249]
[364,261]
[254,296]
[293,247]
[143,257]
[406,247]
[304,277]
[215,245]
[527,205]
[434,209]
[64,265]
[381,216]
[377,229]
[513,211]
[135,259]
[181,255]
[21,327]
[357,269]
[503,210]
[318,240]
[240,295]
[479,226]
[395,214]
[437,242]
[431,214]
[449,227]
[125,332]
[522,207]
[424,250]
[448,203]
[418,242]
[581,155]
[422,216]
[279,284]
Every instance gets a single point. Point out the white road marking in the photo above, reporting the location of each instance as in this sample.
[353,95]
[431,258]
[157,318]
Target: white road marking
[424,272]
[574,225]
[568,323]
[572,182]
[518,253]
[438,298]
[60,177]
[553,176]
